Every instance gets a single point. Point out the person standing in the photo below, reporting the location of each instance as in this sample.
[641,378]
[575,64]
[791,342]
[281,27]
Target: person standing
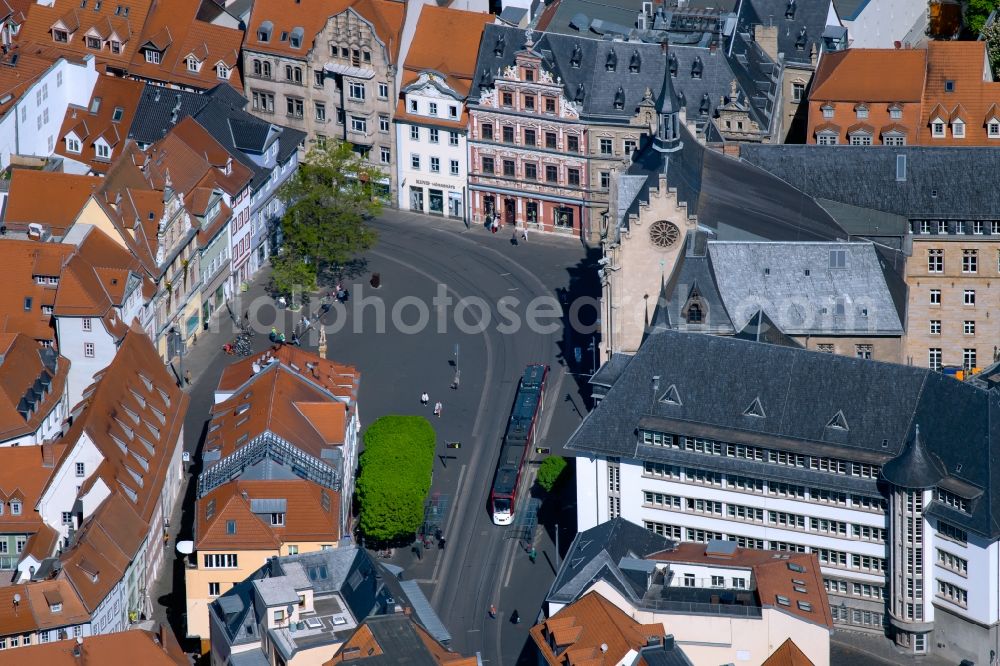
[493,611]
[532,555]
[515,617]
[437,409]
[524,231]
[424,398]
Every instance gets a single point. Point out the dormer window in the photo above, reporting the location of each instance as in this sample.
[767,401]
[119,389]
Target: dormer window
[790,10]
[696,68]
[94,43]
[153,56]
[705,106]
[192,64]
[800,40]
[576,56]
[102,150]
[895,112]
[295,39]
[672,63]
[60,36]
[635,62]
[862,111]
[72,145]
[222,71]
[620,98]
[993,128]
[228,169]
[500,45]
[937,128]
[264,32]
[958,129]
[827,111]
[612,62]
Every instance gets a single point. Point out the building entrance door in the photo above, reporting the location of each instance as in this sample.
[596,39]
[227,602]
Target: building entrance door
[509,208]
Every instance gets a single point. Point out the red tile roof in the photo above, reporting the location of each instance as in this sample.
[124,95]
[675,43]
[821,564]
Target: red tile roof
[111,96]
[591,632]
[971,100]
[121,18]
[125,648]
[308,517]
[337,378]
[386,16]
[870,75]
[19,69]
[453,57]
[174,27]
[30,199]
[772,575]
[21,366]
[24,473]
[41,596]
[24,261]
[788,654]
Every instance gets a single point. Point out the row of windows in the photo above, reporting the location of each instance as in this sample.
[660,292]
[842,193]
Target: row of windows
[935,358]
[529,102]
[432,109]
[856,589]
[529,171]
[951,532]
[530,137]
[833,558]
[856,616]
[221,561]
[978,227]
[776,488]
[760,454]
[953,562]
[970,261]
[953,593]
[435,164]
[968,327]
[433,135]
[952,500]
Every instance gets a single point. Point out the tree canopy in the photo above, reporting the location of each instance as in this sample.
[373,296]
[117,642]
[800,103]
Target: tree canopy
[327,205]
[550,471]
[395,477]
[976,12]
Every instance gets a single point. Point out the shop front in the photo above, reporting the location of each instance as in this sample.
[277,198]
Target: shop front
[436,198]
[535,212]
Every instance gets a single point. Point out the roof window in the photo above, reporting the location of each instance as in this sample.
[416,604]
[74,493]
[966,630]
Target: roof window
[264,32]
[782,600]
[949,86]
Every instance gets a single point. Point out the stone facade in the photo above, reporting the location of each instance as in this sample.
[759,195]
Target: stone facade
[342,85]
[944,327]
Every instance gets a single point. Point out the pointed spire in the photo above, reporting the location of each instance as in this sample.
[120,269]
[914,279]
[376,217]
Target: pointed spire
[915,467]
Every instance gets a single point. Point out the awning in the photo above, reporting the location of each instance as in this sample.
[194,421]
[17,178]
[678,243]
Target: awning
[347,70]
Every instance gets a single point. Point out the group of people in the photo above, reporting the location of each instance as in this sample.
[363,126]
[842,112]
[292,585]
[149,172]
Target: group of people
[493,224]
[425,400]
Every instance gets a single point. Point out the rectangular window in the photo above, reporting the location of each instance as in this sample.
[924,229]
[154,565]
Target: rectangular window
[488,165]
[969,327]
[969,358]
[415,162]
[573,177]
[454,167]
[152,56]
[550,105]
[605,180]
[452,111]
[452,139]
[949,531]
[934,358]
[434,135]
[953,593]
[81,469]
[320,112]
[383,90]
[629,146]
[508,168]
[221,561]
[88,349]
[970,297]
[551,173]
[263,101]
[529,102]
[486,132]
[359,124]
[550,140]
[507,99]
[935,261]
[529,137]
[508,134]
[294,106]
[383,123]
[573,143]
[607,147]
[432,108]
[935,327]
[935,297]
[970,261]
[435,165]
[385,154]
[67,518]
[414,133]
[863,351]
[798,92]
[530,171]
[213,589]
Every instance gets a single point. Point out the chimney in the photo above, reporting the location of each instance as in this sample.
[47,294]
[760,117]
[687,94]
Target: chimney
[668,642]
[767,38]
[78,647]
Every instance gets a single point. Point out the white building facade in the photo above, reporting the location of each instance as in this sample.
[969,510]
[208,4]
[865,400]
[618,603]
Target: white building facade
[432,154]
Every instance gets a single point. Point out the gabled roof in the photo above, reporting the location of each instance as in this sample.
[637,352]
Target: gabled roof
[718,377]
[32,383]
[125,17]
[174,29]
[191,157]
[386,640]
[962,66]
[337,378]
[22,298]
[849,75]
[591,631]
[112,96]
[125,648]
[134,415]
[30,199]
[308,517]
[24,473]
[280,16]
[43,594]
[455,57]
[788,654]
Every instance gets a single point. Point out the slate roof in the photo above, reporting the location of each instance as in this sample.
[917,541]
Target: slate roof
[600,85]
[221,111]
[798,288]
[810,15]
[595,555]
[936,186]
[801,392]
[734,199]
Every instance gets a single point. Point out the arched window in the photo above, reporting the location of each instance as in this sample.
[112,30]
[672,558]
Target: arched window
[694,313]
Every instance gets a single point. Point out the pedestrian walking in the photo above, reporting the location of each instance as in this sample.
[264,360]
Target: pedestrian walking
[187,377]
[524,231]
[513,238]
[515,617]
[458,378]
[495,226]
[493,611]
[437,408]
[441,544]
[532,555]
[424,398]
[282,302]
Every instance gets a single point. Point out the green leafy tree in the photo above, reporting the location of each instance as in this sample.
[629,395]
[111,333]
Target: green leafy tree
[328,203]
[991,34]
[976,13]
[550,471]
[395,477]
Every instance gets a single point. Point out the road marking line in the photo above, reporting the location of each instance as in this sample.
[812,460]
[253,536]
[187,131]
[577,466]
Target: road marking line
[504,274]
[451,516]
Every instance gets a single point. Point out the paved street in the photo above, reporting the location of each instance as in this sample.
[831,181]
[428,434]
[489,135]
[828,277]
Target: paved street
[415,255]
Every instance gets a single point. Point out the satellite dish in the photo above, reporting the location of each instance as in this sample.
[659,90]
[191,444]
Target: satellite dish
[17,599]
[185,547]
